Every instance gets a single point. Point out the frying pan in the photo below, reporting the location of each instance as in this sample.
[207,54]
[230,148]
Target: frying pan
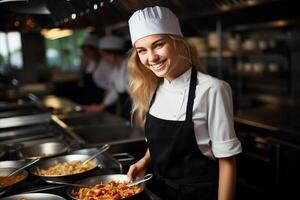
[92,181]
[43,150]
[34,196]
[50,162]
[5,172]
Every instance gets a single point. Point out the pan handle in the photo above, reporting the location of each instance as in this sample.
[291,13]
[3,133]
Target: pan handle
[123,157]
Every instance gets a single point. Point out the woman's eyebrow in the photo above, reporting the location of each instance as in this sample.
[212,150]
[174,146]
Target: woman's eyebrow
[155,42]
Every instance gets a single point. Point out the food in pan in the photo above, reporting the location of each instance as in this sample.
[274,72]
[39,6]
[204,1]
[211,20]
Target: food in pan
[10,180]
[66,168]
[112,190]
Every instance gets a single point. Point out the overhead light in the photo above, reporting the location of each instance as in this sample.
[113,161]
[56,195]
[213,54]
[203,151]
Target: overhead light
[95,6]
[73,16]
[102,3]
[56,33]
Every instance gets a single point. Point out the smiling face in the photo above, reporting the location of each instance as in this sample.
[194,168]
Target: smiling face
[157,53]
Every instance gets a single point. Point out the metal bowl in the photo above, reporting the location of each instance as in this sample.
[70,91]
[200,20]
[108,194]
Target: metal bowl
[92,181]
[34,196]
[12,163]
[43,150]
[6,171]
[47,163]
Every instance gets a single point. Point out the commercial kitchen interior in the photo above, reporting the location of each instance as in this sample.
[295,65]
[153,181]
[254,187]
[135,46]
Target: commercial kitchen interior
[254,45]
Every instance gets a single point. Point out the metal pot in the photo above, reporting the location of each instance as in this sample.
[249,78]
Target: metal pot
[47,163]
[92,181]
[43,150]
[34,196]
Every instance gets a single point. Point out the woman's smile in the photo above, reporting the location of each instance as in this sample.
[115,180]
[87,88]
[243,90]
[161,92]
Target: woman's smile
[159,65]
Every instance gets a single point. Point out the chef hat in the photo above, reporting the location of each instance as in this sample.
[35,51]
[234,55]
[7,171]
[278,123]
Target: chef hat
[111,43]
[153,20]
[91,40]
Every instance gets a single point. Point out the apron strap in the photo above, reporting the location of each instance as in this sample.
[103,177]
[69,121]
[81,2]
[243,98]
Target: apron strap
[191,97]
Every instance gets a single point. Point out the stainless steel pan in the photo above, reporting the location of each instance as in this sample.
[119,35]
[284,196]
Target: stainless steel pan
[50,162]
[5,172]
[92,181]
[43,150]
[34,196]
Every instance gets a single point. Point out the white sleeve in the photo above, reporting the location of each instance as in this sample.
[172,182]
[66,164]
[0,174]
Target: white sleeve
[102,76]
[111,97]
[220,121]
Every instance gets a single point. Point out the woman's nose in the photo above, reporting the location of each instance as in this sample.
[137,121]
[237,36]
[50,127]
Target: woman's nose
[153,56]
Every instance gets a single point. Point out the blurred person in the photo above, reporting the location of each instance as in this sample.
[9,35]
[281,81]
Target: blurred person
[90,92]
[112,51]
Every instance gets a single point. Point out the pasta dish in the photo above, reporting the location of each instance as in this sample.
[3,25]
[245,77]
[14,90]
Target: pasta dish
[112,190]
[66,168]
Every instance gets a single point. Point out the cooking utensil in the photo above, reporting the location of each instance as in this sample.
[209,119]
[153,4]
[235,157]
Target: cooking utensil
[50,162]
[101,150]
[23,167]
[140,180]
[43,150]
[34,196]
[92,181]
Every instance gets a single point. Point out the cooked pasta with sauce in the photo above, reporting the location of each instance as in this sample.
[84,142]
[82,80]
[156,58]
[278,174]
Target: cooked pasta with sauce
[66,168]
[112,190]
[10,180]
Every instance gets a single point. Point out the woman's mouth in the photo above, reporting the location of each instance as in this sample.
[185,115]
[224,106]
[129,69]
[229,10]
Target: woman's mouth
[158,66]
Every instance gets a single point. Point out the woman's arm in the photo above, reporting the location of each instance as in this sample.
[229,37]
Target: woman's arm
[227,178]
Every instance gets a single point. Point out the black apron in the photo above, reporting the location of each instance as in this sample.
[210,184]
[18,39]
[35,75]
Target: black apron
[91,93]
[182,171]
[124,104]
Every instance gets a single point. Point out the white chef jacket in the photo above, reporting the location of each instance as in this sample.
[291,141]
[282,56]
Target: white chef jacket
[102,74]
[212,112]
[118,83]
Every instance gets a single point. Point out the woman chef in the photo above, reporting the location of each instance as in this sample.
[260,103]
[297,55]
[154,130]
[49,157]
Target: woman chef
[187,114]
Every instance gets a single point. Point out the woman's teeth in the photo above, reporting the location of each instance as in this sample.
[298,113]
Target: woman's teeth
[158,65]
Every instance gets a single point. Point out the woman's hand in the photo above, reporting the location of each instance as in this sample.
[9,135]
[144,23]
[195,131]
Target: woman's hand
[139,168]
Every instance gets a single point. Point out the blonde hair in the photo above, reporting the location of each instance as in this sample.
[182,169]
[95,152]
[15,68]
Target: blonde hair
[143,82]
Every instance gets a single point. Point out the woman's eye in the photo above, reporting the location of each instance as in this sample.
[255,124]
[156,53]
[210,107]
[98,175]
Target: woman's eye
[140,51]
[159,45]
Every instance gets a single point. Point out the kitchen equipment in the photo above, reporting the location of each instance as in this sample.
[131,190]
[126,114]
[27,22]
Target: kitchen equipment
[34,196]
[66,183]
[50,162]
[3,150]
[12,163]
[24,166]
[92,181]
[100,150]
[140,180]
[5,172]
[20,115]
[43,150]
[108,161]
